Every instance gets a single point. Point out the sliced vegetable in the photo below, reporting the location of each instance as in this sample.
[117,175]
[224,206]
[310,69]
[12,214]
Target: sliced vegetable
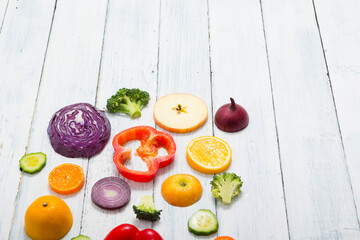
[79,130]
[33,162]
[203,222]
[128,101]
[146,209]
[180,112]
[226,186]
[130,232]
[81,237]
[67,178]
[110,193]
[151,140]
[231,117]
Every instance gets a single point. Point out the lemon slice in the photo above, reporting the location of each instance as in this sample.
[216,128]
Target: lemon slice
[208,154]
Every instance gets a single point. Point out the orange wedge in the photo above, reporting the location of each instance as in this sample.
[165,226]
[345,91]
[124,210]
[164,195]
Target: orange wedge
[208,154]
[66,179]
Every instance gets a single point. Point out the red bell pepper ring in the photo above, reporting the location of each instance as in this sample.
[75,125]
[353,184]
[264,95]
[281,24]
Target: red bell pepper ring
[130,232]
[151,140]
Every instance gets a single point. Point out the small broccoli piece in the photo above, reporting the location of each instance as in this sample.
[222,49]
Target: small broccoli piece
[146,209]
[226,186]
[128,101]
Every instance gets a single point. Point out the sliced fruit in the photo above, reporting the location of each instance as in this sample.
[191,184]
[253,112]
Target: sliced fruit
[180,112]
[181,190]
[66,179]
[203,222]
[110,193]
[48,217]
[33,162]
[208,154]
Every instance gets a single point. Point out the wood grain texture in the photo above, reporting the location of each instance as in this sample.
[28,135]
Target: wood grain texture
[240,70]
[314,169]
[184,68]
[341,41]
[70,76]
[22,47]
[3,7]
[129,60]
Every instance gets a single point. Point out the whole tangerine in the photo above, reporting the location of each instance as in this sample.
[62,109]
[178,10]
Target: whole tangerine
[181,190]
[48,218]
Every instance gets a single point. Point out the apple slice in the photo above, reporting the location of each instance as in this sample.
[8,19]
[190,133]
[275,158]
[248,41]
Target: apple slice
[180,112]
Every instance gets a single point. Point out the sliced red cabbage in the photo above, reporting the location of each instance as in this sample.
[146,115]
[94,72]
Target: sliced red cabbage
[79,130]
[111,193]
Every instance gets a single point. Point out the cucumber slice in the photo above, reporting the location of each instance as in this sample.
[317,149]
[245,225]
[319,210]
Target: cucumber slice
[32,162]
[81,237]
[203,222]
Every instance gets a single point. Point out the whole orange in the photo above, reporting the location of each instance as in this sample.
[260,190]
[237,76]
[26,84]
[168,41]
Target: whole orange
[48,218]
[181,190]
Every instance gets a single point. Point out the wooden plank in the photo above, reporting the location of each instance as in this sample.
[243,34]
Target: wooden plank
[240,70]
[317,188]
[70,75]
[22,46]
[183,68]
[340,31]
[3,7]
[129,60]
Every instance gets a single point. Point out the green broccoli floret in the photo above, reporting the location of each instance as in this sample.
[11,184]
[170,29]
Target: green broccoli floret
[146,209]
[226,186]
[128,101]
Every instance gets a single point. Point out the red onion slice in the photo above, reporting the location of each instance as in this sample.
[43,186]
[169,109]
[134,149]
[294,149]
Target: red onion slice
[79,130]
[111,193]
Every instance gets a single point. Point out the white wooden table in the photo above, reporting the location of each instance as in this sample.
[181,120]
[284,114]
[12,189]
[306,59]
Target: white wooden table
[294,65]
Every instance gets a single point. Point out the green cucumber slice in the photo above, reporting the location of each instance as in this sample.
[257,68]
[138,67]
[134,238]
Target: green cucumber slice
[81,237]
[203,222]
[32,162]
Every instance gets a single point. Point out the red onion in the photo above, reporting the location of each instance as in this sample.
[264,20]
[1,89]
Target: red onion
[110,193]
[231,117]
[79,130]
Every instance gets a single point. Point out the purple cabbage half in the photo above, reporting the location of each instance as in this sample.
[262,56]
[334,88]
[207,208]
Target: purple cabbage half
[79,130]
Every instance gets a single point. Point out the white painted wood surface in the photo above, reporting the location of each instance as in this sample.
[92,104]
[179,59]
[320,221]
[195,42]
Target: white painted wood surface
[255,150]
[312,157]
[131,30]
[341,39]
[71,69]
[22,51]
[298,157]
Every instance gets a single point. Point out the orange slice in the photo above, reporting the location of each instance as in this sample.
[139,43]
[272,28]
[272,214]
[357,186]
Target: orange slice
[66,179]
[208,154]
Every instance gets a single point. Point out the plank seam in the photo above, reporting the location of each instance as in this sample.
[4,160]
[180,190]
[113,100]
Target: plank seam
[96,99]
[274,112]
[102,51]
[3,20]
[158,53]
[32,119]
[211,90]
[157,85]
[336,112]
